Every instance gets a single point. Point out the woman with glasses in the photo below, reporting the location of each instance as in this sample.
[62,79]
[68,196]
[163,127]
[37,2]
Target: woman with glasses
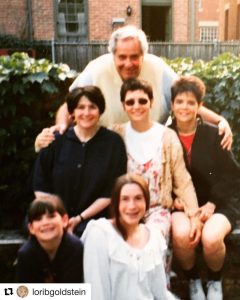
[154,151]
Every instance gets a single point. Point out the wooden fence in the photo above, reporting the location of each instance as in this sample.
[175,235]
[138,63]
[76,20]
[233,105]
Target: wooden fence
[77,55]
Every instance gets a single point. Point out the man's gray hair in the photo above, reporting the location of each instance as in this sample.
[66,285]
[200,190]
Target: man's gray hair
[126,32]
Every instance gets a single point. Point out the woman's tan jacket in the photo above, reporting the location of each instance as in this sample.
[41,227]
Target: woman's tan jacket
[175,181]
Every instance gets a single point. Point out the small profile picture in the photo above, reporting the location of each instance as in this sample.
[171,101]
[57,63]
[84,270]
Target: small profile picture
[22,291]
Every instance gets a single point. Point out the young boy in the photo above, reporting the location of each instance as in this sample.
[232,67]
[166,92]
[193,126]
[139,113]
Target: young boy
[51,255]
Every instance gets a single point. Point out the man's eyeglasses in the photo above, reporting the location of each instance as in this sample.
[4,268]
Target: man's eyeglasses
[140,101]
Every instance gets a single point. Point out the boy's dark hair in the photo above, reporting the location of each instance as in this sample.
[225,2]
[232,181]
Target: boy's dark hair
[134,85]
[46,204]
[93,93]
[191,84]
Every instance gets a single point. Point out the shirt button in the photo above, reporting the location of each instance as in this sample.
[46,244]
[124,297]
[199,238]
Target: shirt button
[79,166]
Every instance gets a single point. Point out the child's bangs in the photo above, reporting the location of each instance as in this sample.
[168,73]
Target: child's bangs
[39,208]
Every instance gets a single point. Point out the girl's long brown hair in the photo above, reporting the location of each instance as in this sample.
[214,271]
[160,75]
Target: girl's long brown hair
[120,182]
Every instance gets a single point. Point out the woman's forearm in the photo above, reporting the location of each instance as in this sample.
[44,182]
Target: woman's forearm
[96,207]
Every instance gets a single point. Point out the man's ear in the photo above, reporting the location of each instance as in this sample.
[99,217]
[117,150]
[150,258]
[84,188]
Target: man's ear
[65,220]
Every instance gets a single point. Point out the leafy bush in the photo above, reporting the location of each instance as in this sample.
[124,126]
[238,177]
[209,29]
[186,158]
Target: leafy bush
[30,92]
[222,78]
[42,48]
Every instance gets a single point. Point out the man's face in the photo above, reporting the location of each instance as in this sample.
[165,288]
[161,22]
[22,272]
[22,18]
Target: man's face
[128,58]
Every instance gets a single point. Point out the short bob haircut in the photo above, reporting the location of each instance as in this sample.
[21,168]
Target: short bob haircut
[191,84]
[115,200]
[93,93]
[45,204]
[134,85]
[128,32]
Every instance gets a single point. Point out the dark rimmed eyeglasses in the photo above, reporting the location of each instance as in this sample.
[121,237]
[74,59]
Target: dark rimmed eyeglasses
[140,101]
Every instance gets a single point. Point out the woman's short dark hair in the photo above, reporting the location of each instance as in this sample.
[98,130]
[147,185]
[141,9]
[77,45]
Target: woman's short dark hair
[191,84]
[45,204]
[120,182]
[93,93]
[134,85]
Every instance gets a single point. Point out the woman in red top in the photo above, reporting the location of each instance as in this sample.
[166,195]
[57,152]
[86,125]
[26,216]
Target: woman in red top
[214,173]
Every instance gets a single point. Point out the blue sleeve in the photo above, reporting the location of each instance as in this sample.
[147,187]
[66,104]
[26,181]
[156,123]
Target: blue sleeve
[169,76]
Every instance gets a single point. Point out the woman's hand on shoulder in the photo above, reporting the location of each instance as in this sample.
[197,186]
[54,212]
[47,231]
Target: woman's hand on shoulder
[47,136]
[72,223]
[225,130]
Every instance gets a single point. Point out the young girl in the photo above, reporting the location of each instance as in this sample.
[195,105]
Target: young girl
[51,255]
[215,175]
[122,256]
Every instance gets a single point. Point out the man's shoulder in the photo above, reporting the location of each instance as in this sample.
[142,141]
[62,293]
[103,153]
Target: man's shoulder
[152,58]
[102,59]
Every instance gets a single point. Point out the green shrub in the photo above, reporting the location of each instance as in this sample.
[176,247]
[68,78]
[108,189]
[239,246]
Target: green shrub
[42,48]
[222,78]
[30,92]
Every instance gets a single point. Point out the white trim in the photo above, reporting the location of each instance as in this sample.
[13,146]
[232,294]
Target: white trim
[226,6]
[208,23]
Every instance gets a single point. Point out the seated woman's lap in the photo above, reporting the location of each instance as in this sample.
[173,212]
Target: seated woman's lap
[215,228]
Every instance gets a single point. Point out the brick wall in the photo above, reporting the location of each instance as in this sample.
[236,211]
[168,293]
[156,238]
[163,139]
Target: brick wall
[43,19]
[231,6]
[13,18]
[207,12]
[101,14]
[180,21]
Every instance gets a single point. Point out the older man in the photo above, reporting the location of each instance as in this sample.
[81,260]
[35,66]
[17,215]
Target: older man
[128,58]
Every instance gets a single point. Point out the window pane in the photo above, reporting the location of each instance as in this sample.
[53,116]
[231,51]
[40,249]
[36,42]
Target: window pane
[208,34]
[71,18]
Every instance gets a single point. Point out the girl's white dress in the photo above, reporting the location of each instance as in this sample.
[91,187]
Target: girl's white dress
[118,271]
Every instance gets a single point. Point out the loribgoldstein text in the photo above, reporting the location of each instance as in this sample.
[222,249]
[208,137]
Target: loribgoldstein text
[58,292]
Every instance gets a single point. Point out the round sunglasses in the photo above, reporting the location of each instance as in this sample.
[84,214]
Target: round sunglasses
[140,101]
